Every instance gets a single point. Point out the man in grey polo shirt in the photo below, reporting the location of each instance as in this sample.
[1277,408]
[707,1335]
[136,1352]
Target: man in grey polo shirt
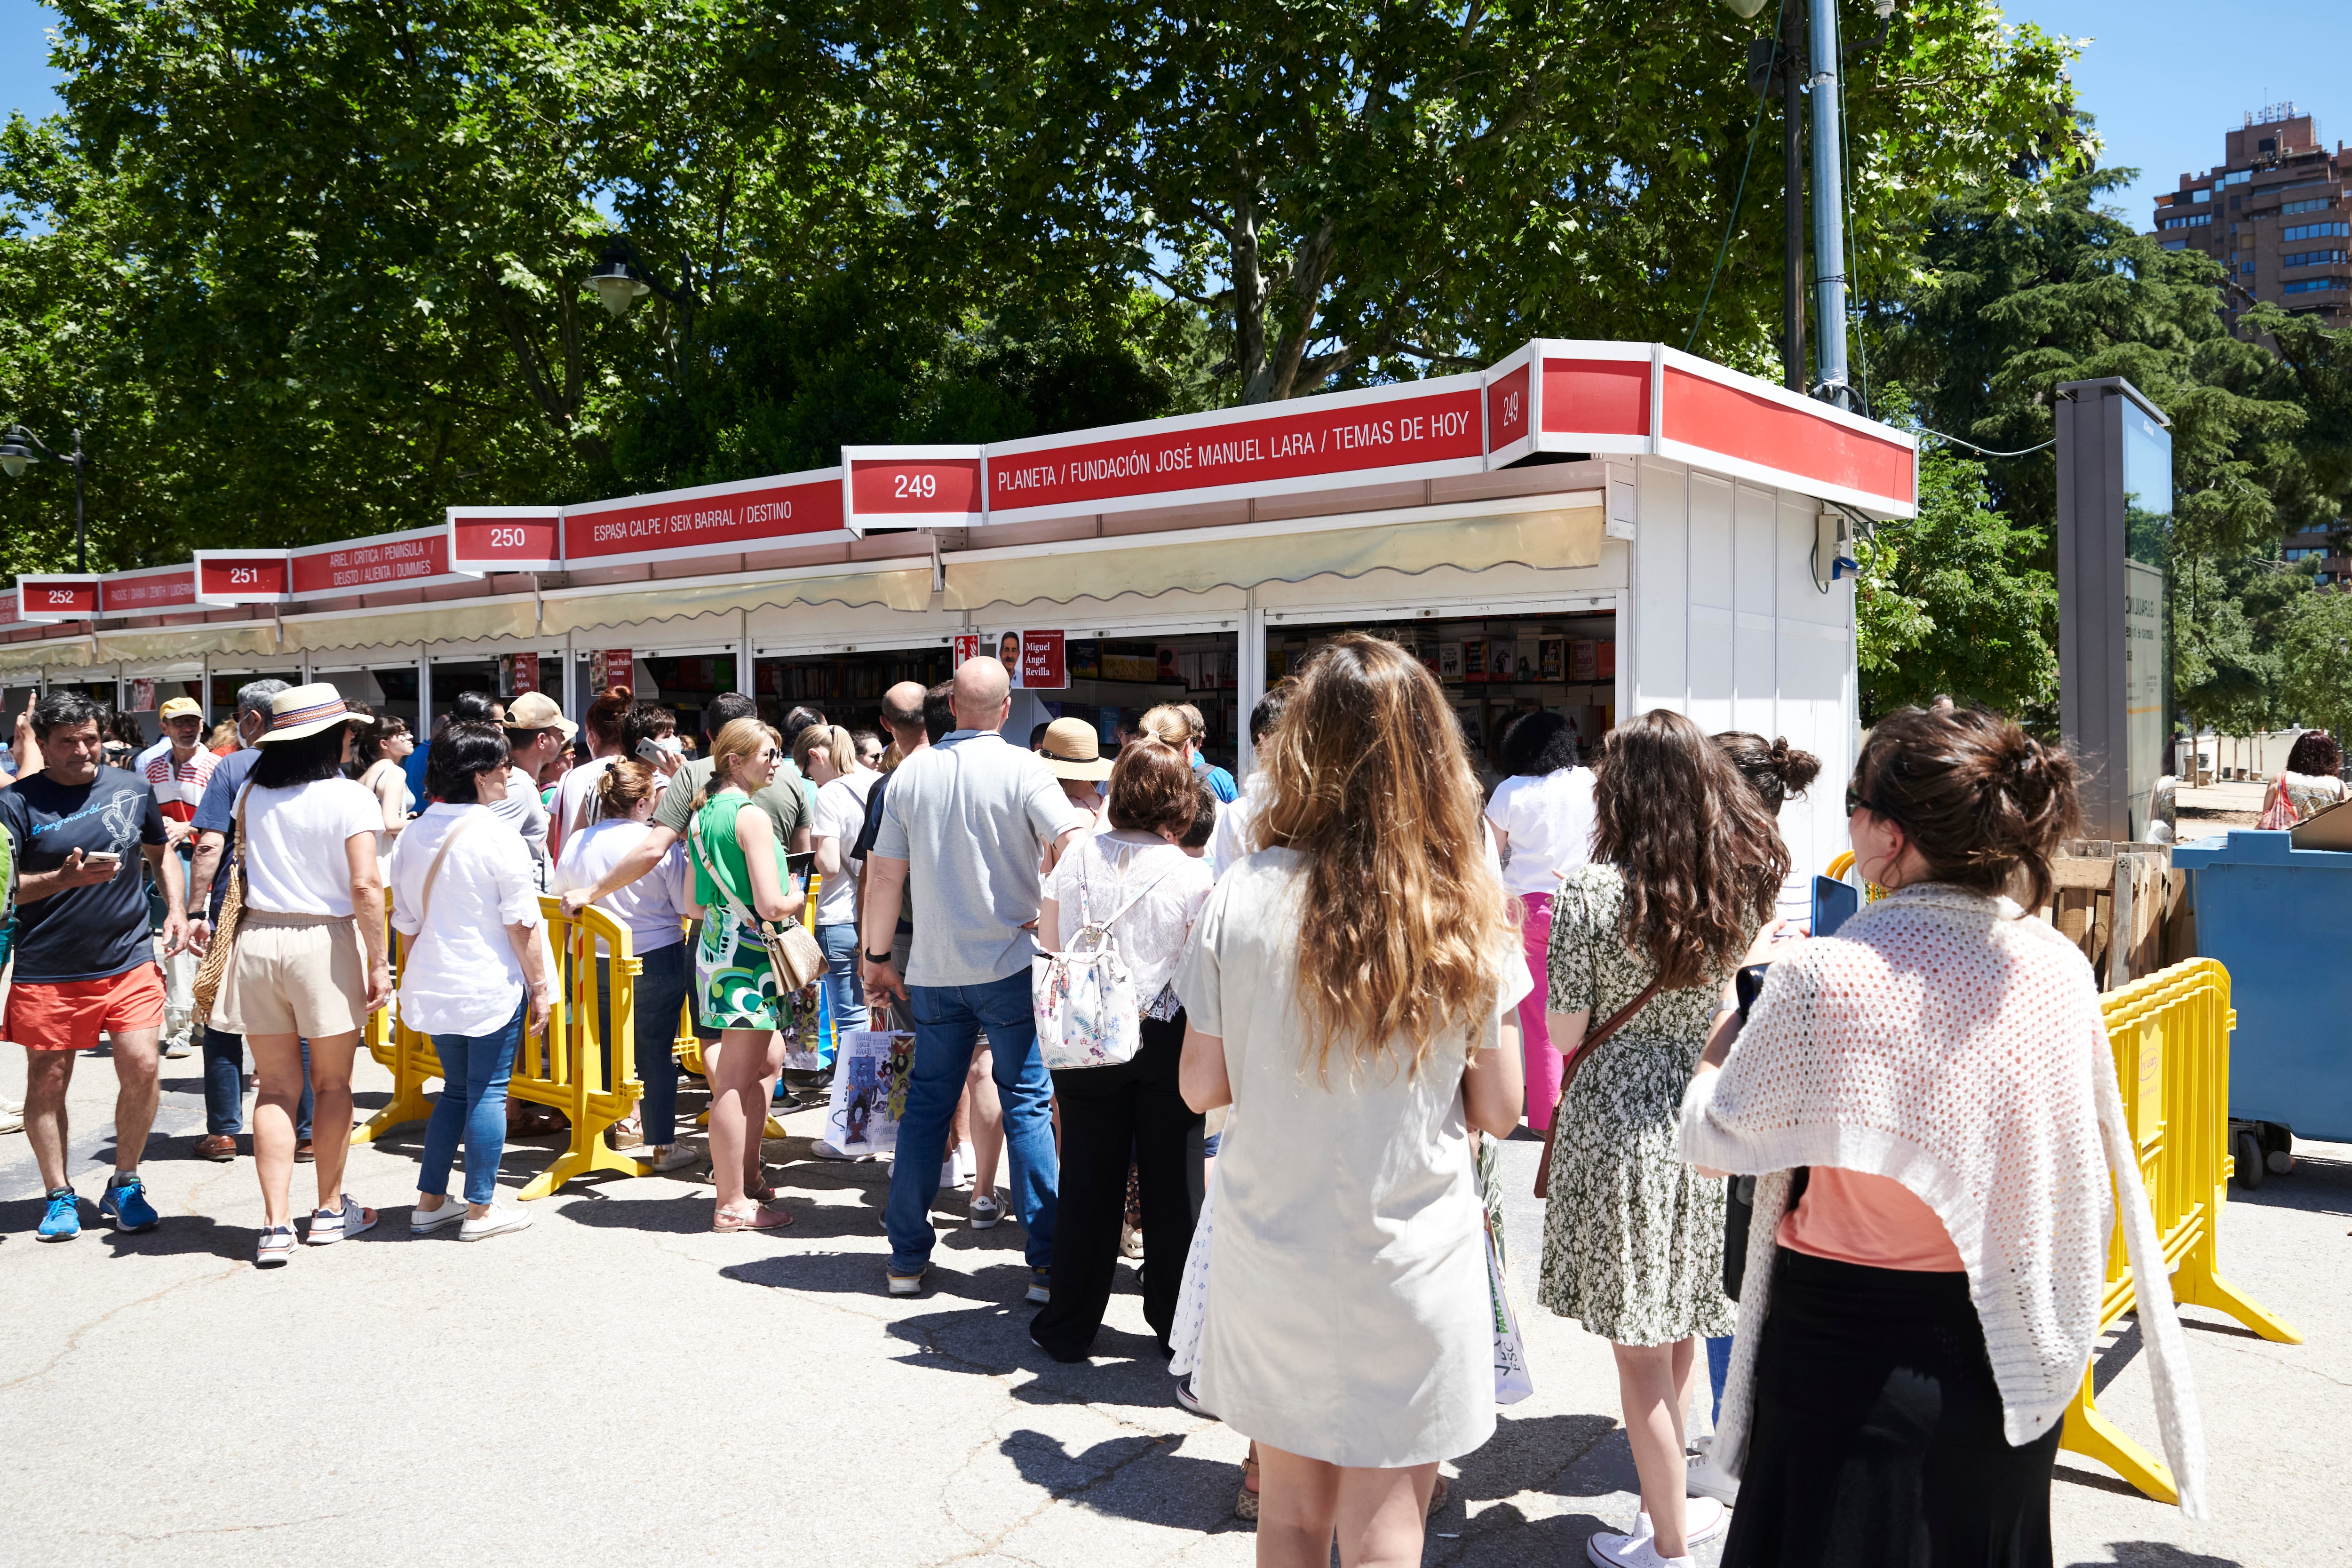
[963,824]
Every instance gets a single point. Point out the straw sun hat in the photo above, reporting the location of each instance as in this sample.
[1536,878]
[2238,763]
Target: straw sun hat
[305,710]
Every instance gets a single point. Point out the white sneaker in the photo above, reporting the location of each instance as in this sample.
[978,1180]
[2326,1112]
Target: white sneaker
[658,1157]
[425,1222]
[497,1220]
[986,1209]
[825,1150]
[11,1120]
[174,1050]
[1130,1241]
[1707,1479]
[1611,1550]
[951,1176]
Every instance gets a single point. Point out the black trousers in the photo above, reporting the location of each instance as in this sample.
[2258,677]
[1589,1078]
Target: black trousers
[1876,1440]
[1109,1116]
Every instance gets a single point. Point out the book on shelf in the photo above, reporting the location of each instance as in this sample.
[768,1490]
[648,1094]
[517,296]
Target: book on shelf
[1449,661]
[1551,658]
[1474,660]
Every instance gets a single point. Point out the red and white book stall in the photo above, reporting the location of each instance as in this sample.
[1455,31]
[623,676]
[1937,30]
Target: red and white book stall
[1593,528]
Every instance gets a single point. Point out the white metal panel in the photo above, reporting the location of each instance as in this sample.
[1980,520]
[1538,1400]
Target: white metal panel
[1711,570]
[1661,592]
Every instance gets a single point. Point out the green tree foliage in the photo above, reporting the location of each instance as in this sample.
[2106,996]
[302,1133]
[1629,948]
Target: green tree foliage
[2315,654]
[1952,602]
[1362,192]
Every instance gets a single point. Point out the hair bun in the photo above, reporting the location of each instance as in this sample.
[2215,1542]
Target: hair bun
[620,694]
[1797,769]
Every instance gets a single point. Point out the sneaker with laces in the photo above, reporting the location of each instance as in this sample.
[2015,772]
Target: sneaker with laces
[986,1209]
[125,1203]
[496,1220]
[905,1284]
[350,1218]
[174,1050]
[61,1221]
[425,1222]
[659,1157]
[1707,1481]
[1041,1287]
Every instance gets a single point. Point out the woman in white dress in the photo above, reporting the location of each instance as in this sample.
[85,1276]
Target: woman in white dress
[1349,1330]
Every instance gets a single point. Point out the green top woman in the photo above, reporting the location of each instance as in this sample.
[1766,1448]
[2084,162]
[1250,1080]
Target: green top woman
[740,872]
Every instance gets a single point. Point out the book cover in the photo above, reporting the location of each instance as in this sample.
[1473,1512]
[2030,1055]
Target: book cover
[1449,661]
[1501,655]
[1608,660]
[1474,660]
[1551,658]
[1583,659]
[1527,660]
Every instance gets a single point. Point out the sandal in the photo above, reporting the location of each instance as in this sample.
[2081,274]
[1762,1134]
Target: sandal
[761,1218]
[762,1195]
[276,1247]
[1437,1497]
[1245,1501]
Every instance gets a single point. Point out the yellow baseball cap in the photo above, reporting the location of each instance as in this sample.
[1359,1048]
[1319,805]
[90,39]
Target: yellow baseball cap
[182,707]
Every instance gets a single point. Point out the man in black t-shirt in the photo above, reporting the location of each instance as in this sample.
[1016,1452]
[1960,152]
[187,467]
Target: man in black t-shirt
[85,963]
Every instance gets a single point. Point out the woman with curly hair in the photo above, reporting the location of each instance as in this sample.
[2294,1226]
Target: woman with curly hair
[1687,867]
[1350,992]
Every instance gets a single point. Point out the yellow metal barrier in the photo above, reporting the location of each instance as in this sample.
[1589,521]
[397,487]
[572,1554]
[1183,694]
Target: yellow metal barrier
[560,1066]
[2171,1035]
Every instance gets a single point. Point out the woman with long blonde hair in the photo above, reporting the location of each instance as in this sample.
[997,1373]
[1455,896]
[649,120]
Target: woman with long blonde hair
[1349,990]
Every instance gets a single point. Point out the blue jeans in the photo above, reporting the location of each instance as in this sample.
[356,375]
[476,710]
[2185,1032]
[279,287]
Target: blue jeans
[1718,1369]
[473,1102]
[224,1087]
[948,1023]
[841,983]
[661,992]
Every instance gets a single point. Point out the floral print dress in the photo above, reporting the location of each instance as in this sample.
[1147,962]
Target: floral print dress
[1632,1236]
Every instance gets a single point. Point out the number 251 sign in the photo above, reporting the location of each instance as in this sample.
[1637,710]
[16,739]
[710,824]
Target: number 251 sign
[243,576]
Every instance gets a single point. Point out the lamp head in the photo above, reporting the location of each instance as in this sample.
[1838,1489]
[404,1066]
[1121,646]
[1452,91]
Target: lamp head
[1744,9]
[615,285]
[15,452]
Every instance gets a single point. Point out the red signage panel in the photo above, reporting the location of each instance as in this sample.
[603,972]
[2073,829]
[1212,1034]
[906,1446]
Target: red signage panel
[61,597]
[1597,397]
[242,577]
[1811,442]
[154,591]
[1036,660]
[1414,430]
[1507,412]
[911,487]
[619,669]
[418,558]
[484,539]
[743,515]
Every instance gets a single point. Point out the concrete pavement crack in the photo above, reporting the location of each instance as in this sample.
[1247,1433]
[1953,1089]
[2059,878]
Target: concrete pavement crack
[73,1341]
[229,1528]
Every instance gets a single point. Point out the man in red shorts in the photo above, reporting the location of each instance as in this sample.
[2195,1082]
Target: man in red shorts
[84,963]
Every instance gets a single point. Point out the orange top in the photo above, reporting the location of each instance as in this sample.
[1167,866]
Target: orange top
[1876,1221]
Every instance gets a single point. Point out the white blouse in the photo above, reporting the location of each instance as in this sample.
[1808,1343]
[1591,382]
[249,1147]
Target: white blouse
[461,976]
[1103,870]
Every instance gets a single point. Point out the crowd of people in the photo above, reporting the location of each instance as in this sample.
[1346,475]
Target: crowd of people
[1257,1034]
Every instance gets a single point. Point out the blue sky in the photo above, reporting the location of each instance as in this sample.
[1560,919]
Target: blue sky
[2166,77]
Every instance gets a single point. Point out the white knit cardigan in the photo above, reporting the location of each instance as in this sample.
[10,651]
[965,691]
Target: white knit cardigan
[1942,1041]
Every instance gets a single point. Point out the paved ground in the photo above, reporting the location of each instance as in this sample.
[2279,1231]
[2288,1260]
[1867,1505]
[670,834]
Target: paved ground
[618,1384]
[2218,806]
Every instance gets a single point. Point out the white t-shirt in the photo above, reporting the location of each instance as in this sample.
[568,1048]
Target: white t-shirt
[464,978]
[653,905]
[1550,818]
[1103,870]
[840,815]
[575,796]
[295,863]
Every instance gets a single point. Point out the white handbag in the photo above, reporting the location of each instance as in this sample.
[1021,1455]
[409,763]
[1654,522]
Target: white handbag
[1088,1015]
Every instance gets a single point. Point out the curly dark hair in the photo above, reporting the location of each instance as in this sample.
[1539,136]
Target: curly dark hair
[1776,769]
[2316,753]
[1539,744]
[1702,859]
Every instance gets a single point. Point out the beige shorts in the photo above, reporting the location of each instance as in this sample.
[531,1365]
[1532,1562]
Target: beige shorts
[293,974]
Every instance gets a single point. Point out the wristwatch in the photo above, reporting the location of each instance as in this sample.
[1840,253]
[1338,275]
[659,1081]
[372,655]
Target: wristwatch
[878,958]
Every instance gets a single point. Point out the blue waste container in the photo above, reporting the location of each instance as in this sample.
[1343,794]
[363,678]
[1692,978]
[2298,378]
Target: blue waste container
[2280,919]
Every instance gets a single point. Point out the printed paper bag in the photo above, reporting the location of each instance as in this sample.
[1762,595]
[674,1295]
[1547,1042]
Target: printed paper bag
[869,1090]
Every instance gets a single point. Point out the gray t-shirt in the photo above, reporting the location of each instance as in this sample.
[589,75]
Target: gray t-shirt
[522,812]
[970,816]
[783,800]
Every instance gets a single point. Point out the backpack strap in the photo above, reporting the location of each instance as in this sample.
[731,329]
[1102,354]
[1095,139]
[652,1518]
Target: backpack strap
[1102,928]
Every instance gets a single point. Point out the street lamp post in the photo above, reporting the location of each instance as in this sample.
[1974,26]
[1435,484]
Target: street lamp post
[621,279]
[23,446]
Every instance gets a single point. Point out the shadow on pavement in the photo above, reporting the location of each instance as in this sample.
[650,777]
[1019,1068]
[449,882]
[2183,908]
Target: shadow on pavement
[2313,1186]
[1138,1478]
[2156,1554]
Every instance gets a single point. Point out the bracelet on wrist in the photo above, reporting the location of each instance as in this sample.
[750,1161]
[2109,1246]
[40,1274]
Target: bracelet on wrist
[876,957]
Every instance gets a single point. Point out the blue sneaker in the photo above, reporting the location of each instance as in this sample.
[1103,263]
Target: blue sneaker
[126,1204]
[62,1222]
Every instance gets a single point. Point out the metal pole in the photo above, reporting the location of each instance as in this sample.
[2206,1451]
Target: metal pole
[1792,158]
[1828,203]
[81,551]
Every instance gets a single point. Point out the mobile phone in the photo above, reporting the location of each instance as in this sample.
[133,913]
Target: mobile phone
[101,857]
[650,753]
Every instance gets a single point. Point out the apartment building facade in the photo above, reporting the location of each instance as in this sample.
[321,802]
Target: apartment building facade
[2274,214]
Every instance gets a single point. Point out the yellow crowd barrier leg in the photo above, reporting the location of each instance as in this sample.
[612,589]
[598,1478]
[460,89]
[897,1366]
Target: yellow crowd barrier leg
[2199,1284]
[2094,1436]
[588,1152]
[409,1101]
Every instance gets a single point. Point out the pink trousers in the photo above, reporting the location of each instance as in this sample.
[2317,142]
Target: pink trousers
[1535,1035]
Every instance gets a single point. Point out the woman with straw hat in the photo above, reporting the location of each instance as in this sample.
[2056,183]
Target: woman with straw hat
[309,961]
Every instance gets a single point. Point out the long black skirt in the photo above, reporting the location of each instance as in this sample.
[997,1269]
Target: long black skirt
[1876,1440]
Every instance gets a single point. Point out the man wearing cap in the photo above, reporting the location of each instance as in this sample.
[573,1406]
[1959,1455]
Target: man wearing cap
[177,776]
[536,731]
[85,963]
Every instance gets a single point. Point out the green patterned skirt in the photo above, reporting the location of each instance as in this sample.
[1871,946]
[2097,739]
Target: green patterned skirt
[734,980]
